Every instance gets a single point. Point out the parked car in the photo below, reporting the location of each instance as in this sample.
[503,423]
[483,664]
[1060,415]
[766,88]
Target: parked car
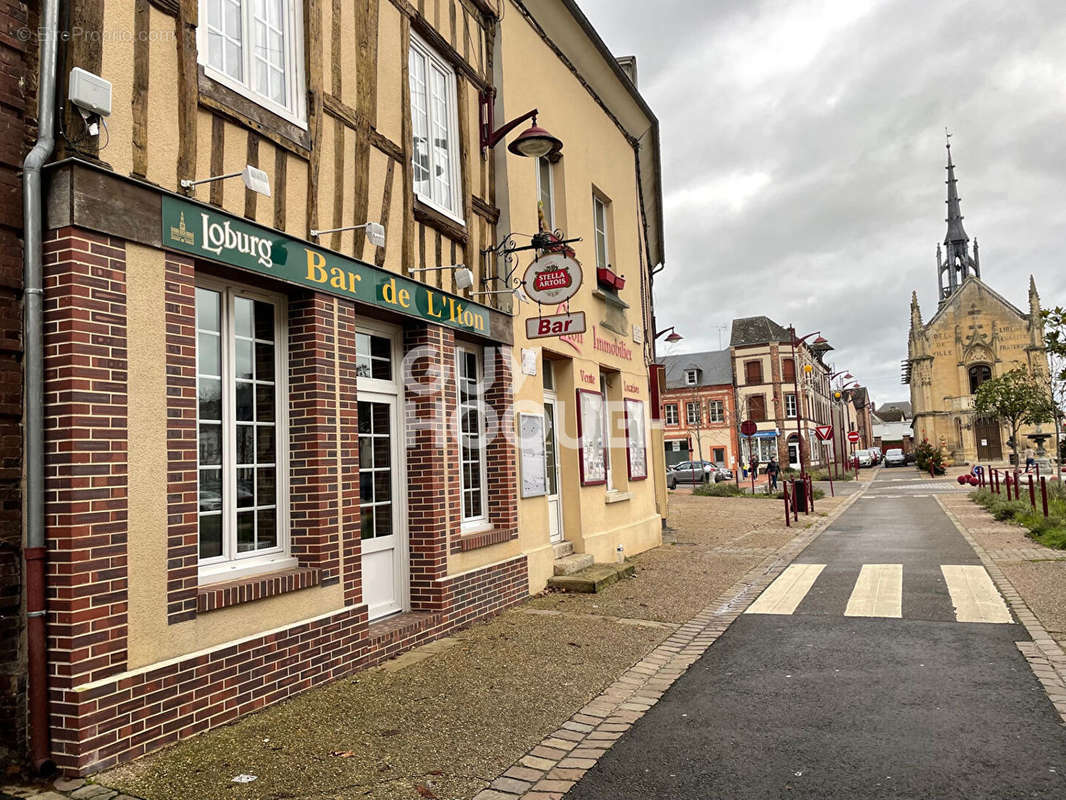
[895,458]
[692,472]
[877,455]
[865,457]
[724,473]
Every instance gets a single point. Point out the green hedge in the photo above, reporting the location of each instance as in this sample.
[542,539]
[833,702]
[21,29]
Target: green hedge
[1050,532]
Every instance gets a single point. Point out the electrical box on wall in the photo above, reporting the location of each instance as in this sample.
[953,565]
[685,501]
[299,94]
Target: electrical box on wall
[90,92]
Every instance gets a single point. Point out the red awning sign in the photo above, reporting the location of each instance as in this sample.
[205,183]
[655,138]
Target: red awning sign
[825,432]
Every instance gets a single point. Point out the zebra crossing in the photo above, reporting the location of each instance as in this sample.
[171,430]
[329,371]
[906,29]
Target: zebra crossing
[878,592]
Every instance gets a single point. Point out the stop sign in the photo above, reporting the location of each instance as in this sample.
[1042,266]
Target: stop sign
[748,428]
[853,437]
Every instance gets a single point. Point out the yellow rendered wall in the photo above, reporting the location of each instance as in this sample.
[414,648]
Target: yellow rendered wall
[595,155]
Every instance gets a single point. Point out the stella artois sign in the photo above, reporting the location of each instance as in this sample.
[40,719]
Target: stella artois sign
[552,279]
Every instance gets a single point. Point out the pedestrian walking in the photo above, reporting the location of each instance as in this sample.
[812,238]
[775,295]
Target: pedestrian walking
[773,469]
[753,467]
[1030,459]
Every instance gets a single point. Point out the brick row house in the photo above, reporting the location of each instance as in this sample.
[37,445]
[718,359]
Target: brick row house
[698,409]
[280,445]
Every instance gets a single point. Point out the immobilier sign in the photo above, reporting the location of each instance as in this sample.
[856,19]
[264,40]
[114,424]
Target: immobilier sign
[204,232]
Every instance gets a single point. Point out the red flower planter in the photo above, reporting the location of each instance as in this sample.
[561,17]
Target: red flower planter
[606,277]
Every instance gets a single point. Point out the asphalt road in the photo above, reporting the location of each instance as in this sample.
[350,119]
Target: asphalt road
[818,703]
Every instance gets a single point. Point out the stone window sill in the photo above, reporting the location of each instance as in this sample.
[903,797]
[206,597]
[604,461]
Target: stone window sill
[475,541]
[616,497]
[610,299]
[258,587]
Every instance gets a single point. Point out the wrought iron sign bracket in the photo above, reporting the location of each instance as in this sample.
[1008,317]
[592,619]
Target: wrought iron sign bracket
[508,246]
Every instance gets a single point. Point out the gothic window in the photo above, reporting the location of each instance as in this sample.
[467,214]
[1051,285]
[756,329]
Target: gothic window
[979,373]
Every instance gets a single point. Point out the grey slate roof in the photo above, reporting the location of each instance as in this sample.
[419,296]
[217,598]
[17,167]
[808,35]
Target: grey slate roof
[757,330]
[895,412]
[715,366]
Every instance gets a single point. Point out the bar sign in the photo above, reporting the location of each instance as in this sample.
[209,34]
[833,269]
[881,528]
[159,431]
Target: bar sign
[555,325]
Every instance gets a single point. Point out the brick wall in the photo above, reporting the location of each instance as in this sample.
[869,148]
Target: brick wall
[182,540]
[101,714]
[18,70]
[85,464]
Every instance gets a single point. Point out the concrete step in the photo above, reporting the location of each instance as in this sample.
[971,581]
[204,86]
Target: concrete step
[575,562]
[592,579]
[563,549]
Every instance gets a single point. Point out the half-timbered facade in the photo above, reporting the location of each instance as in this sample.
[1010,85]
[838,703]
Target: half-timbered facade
[268,454]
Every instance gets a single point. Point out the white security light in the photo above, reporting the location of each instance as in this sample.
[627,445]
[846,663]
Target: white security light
[256,180]
[375,233]
[253,177]
[463,278]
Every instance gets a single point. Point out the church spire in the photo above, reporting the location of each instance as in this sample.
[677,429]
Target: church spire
[957,264]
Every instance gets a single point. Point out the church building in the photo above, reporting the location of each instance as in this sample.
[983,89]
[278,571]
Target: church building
[976,334]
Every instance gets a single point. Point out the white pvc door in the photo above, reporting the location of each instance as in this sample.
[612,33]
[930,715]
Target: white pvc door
[380,506]
[551,458]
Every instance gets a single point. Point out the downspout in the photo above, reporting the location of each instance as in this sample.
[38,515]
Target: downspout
[33,342]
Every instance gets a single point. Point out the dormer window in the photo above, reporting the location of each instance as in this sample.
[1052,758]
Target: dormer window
[692,377]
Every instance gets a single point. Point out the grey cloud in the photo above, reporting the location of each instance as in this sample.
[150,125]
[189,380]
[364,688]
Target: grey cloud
[842,118]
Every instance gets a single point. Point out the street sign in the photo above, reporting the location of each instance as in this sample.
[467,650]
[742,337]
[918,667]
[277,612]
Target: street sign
[555,325]
[552,279]
[748,428]
[824,432]
[853,437]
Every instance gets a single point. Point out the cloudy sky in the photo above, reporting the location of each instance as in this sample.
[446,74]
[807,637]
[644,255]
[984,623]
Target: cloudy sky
[803,158]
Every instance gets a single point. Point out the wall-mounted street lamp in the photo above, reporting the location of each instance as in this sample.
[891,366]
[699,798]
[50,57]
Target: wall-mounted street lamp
[375,233]
[461,274]
[674,336]
[253,177]
[534,142]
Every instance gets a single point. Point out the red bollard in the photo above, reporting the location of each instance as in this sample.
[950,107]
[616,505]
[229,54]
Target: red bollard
[1032,492]
[1043,494]
[795,506]
[784,491]
[810,494]
[998,490]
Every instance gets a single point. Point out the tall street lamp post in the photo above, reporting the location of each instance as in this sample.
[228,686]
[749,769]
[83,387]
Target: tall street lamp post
[796,389]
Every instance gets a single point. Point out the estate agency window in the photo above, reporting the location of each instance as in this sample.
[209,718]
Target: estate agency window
[240,387]
[472,434]
[715,412]
[692,413]
[670,413]
[255,47]
[434,126]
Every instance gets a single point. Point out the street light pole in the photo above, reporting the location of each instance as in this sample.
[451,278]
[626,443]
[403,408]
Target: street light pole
[796,394]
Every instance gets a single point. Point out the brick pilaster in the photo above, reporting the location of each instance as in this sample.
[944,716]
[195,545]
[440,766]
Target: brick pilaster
[182,530]
[348,411]
[86,463]
[431,393]
[313,480]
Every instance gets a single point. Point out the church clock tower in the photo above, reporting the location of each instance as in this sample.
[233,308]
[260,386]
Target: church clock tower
[976,334]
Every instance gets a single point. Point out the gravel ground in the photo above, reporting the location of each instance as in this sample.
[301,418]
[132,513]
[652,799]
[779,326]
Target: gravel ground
[448,724]
[445,726]
[1042,584]
[715,540]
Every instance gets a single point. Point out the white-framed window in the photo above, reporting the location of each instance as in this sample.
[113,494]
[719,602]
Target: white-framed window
[790,406]
[545,194]
[255,47]
[692,377]
[715,411]
[599,221]
[670,413]
[242,409]
[692,413]
[471,399]
[606,417]
[435,129]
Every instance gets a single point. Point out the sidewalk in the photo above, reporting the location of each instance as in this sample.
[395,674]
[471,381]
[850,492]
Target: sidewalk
[446,720]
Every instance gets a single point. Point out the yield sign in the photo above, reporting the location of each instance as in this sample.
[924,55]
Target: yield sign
[825,432]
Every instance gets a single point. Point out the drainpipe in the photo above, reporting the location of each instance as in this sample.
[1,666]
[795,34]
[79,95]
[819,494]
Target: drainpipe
[33,335]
